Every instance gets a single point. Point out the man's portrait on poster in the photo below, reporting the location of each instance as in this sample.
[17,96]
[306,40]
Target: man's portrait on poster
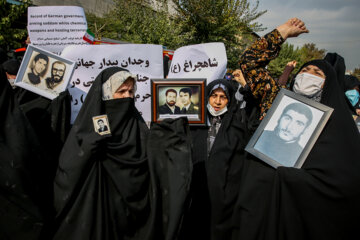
[101,124]
[178,99]
[44,73]
[287,131]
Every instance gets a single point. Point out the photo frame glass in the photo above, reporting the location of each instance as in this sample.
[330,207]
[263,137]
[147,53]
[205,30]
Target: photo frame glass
[289,130]
[44,73]
[174,98]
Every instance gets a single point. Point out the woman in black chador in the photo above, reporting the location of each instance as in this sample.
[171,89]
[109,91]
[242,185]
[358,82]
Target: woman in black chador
[38,68]
[127,182]
[320,200]
[217,147]
[23,206]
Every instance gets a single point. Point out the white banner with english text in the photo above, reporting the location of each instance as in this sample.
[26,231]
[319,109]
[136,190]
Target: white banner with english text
[55,27]
[144,60]
[207,60]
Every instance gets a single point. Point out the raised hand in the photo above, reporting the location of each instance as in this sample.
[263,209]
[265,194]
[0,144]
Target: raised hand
[292,28]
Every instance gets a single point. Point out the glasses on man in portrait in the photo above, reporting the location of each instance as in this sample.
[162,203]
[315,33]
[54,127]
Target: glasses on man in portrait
[44,73]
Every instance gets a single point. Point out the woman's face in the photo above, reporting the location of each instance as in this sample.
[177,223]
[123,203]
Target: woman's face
[40,66]
[314,70]
[218,99]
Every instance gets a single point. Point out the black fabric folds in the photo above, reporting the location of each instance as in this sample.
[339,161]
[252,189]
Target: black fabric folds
[21,203]
[338,63]
[216,176]
[109,187]
[318,201]
[50,120]
[169,152]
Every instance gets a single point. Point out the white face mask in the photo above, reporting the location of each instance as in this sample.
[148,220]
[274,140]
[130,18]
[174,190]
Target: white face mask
[307,84]
[216,113]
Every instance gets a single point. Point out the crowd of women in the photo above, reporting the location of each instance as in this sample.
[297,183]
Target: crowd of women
[172,180]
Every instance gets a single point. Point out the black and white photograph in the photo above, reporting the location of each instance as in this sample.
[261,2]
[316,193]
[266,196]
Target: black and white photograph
[44,73]
[289,130]
[173,98]
[101,125]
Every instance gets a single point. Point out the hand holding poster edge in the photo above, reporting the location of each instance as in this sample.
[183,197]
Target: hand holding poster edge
[206,60]
[270,151]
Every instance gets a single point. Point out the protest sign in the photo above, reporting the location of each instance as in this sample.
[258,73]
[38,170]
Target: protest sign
[206,60]
[144,60]
[55,27]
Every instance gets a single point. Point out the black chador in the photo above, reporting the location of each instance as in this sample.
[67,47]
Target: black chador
[22,203]
[126,183]
[318,201]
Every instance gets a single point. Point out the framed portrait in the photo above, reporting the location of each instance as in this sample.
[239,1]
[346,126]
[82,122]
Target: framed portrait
[44,73]
[174,98]
[101,125]
[289,130]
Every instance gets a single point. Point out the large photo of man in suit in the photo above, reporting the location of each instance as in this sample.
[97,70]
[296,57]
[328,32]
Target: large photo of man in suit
[170,105]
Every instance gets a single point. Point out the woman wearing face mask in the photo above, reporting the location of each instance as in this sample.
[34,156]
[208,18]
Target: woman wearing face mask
[352,89]
[217,147]
[116,183]
[320,200]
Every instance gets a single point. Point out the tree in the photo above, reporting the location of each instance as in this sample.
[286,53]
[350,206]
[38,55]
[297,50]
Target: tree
[12,30]
[356,72]
[227,21]
[310,52]
[288,53]
[138,22]
[192,22]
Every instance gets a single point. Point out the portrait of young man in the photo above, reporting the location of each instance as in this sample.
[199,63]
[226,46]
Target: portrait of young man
[57,74]
[38,68]
[169,107]
[282,144]
[102,126]
[188,106]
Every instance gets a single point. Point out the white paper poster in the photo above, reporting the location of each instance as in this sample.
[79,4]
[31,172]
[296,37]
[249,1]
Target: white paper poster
[55,27]
[207,60]
[144,60]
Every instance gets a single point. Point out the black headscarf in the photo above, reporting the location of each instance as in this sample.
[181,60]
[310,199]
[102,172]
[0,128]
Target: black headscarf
[338,63]
[215,175]
[350,82]
[103,178]
[21,197]
[11,66]
[229,89]
[318,201]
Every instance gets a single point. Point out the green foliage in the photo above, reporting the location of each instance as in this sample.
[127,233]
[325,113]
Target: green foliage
[356,72]
[288,53]
[310,52]
[137,22]
[11,34]
[193,22]
[227,21]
